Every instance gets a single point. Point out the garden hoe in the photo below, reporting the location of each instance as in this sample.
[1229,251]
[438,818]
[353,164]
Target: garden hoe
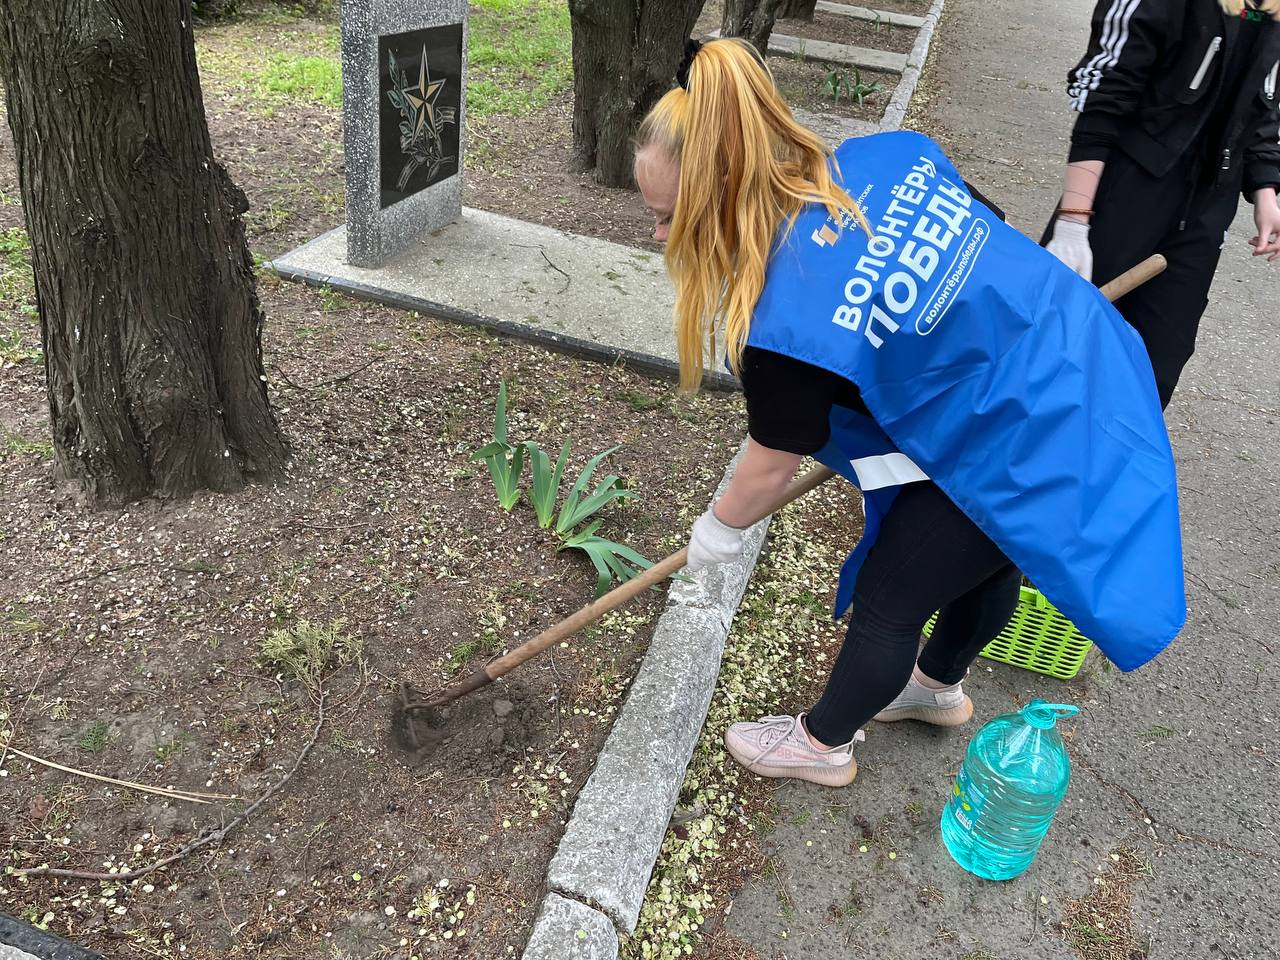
[418,722]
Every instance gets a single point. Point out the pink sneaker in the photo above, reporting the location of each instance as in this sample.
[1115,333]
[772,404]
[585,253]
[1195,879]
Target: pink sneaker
[779,747]
[947,707]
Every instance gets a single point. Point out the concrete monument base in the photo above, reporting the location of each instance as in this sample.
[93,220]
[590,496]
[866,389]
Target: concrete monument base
[575,294]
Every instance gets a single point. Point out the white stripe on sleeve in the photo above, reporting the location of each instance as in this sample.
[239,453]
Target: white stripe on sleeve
[1115,34]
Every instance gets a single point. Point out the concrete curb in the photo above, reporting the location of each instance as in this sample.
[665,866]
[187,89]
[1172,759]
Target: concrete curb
[621,815]
[21,941]
[868,58]
[602,866]
[569,930]
[896,112]
[870,14]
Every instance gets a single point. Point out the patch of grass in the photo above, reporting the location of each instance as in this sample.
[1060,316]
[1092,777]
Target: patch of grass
[15,247]
[306,79]
[766,818]
[16,445]
[14,349]
[94,739]
[334,203]
[642,402]
[17,283]
[271,65]
[518,55]
[271,217]
[167,751]
[486,643]
[331,299]
[1087,935]
[462,652]
[344,740]
[314,331]
[20,620]
[306,650]
[1100,926]
[853,902]
[62,811]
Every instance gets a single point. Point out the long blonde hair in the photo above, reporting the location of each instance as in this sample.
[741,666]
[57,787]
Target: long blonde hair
[746,167]
[1234,7]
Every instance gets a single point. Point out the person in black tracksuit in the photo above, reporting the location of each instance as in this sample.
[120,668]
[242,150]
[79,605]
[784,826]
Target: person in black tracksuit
[1178,118]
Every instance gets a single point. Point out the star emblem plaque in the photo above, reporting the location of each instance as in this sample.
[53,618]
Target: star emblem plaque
[420,85]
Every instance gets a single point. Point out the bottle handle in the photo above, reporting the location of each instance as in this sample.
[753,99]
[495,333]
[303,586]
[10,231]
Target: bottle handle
[1046,715]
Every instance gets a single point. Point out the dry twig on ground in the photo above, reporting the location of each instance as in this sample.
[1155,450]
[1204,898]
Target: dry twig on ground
[204,840]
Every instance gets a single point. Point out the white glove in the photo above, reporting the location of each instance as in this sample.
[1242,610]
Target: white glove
[1070,244]
[712,542]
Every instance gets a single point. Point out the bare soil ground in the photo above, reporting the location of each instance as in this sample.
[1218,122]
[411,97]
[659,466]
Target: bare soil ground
[917,8]
[806,82]
[133,638]
[524,169]
[835,28]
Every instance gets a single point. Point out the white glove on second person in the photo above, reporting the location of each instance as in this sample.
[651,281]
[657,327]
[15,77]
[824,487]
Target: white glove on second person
[712,542]
[1070,244]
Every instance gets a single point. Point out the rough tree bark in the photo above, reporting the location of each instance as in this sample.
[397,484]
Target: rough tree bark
[625,54]
[751,19]
[797,9]
[144,283]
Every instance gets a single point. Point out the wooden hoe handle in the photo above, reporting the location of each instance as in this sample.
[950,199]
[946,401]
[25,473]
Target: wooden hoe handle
[610,601]
[1135,277]
[664,568]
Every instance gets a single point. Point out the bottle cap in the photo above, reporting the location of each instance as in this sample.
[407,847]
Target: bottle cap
[1045,715]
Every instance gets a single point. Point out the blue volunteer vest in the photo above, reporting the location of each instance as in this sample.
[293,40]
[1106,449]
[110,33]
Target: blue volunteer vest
[995,371]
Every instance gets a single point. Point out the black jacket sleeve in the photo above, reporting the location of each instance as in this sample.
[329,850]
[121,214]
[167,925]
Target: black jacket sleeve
[1126,39]
[1262,155]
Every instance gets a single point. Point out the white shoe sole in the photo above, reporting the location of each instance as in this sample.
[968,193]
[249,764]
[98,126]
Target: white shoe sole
[825,776]
[955,716]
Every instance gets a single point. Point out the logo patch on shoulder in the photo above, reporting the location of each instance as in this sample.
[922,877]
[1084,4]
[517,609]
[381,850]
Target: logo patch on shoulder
[825,236]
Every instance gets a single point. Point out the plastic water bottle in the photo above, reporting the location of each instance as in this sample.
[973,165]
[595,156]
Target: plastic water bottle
[1014,776]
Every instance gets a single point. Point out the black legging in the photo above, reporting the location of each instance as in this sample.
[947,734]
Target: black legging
[928,556]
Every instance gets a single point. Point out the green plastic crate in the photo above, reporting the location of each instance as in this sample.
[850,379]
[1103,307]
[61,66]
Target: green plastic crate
[1038,638]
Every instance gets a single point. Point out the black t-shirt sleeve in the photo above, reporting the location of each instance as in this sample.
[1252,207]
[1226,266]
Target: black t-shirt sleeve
[789,401]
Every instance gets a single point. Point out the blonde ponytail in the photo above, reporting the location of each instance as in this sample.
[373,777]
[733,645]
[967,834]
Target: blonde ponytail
[746,167]
[1235,7]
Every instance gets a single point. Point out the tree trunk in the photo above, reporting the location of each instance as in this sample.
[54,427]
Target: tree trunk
[751,19]
[625,54]
[144,283]
[797,9]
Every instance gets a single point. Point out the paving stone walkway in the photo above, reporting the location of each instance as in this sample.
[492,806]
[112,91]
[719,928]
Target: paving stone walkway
[1177,762]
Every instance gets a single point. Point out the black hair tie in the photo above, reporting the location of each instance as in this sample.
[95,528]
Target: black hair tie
[691,48]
